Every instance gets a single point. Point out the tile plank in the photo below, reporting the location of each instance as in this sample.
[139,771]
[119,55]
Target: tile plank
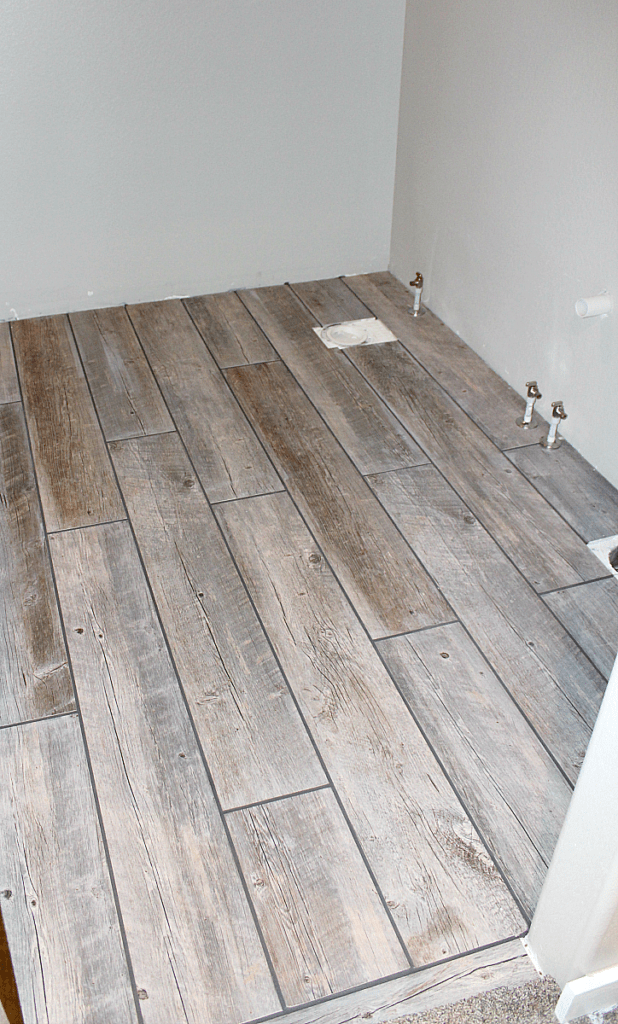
[257,745]
[232,336]
[552,681]
[445,894]
[125,392]
[229,460]
[384,580]
[545,549]
[587,501]
[324,924]
[462,373]
[34,672]
[370,434]
[331,301]
[190,933]
[55,891]
[517,796]
[442,984]
[590,613]
[9,386]
[75,477]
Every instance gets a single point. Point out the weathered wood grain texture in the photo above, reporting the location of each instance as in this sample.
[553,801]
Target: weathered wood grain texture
[190,933]
[515,793]
[370,434]
[9,387]
[55,890]
[544,548]
[444,892]
[387,585]
[503,965]
[34,673]
[75,477]
[467,378]
[227,456]
[324,924]
[256,743]
[331,301]
[232,336]
[553,682]
[590,613]
[125,392]
[588,501]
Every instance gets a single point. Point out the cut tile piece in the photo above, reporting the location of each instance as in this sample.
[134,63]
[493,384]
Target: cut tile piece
[445,894]
[370,434]
[506,964]
[330,300]
[324,924]
[231,334]
[383,578]
[34,672]
[226,454]
[9,387]
[256,743]
[517,796]
[75,476]
[588,502]
[555,685]
[590,613]
[55,892]
[125,392]
[190,933]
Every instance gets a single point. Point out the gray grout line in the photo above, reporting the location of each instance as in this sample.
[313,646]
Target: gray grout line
[38,721]
[276,799]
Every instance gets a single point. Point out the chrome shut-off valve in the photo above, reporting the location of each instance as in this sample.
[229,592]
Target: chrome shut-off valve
[417,287]
[552,441]
[526,421]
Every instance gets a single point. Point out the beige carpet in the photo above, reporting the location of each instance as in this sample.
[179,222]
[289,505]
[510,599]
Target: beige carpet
[533,1003]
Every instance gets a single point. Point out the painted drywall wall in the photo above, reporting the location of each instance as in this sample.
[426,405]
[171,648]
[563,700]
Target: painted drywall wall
[506,195]
[154,148]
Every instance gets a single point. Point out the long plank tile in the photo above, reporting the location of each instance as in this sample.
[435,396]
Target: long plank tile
[588,501]
[366,429]
[443,890]
[544,548]
[233,338]
[34,674]
[227,456]
[75,476]
[387,585]
[590,613]
[440,985]
[245,716]
[330,300]
[125,393]
[190,933]
[55,891]
[478,389]
[9,387]
[324,924]
[516,794]
[547,674]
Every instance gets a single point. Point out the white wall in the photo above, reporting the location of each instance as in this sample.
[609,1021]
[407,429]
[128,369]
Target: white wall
[153,148]
[506,194]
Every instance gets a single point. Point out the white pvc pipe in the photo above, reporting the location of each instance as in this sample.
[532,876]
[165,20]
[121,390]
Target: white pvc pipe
[598,305]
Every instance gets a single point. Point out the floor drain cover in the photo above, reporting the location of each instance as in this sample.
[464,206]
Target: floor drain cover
[606,550]
[355,332]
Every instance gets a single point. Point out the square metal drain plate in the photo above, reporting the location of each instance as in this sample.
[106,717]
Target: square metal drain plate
[355,332]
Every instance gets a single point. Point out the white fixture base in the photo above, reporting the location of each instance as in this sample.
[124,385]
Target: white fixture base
[603,548]
[355,332]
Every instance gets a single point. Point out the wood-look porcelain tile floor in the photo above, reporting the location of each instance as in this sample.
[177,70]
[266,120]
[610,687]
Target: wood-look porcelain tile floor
[301,652]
